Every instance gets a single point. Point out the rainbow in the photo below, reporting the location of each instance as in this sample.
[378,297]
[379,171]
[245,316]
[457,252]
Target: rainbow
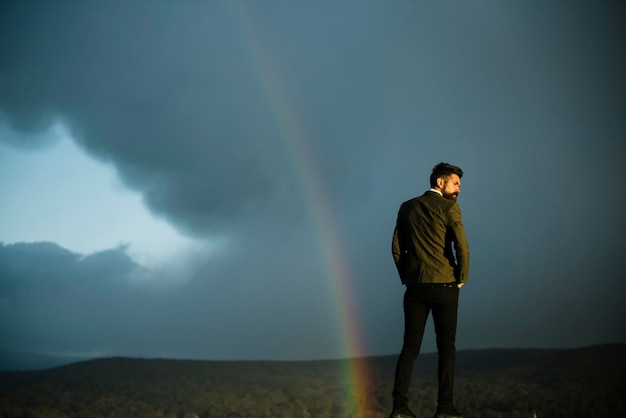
[274,84]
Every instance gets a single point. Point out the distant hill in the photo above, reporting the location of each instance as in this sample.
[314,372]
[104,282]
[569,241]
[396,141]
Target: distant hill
[584,382]
[16,361]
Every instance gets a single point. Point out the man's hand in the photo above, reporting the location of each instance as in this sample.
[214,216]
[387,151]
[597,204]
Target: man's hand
[460,285]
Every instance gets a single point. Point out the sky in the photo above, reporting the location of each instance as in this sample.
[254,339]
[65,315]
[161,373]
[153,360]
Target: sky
[220,180]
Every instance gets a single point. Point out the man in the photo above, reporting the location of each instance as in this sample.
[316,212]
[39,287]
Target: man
[432,257]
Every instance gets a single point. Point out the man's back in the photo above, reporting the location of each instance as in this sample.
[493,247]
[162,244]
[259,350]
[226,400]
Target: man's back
[426,228]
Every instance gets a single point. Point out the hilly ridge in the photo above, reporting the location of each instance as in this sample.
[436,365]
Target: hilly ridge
[583,382]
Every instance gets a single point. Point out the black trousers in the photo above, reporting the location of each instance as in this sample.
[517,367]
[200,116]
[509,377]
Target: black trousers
[419,300]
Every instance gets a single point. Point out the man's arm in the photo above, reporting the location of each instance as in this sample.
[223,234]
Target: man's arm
[395,247]
[461,247]
[399,257]
[397,254]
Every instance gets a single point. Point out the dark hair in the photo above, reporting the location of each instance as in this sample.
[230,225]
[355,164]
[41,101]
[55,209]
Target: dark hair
[444,170]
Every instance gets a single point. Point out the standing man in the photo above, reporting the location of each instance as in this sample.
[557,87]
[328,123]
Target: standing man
[432,256]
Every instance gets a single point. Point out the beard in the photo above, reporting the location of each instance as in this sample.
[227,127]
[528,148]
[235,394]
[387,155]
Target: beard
[450,196]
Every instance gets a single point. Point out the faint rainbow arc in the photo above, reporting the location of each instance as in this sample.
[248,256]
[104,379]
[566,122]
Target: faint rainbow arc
[337,271]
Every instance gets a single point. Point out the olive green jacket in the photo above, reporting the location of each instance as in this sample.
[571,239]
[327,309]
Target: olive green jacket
[427,228]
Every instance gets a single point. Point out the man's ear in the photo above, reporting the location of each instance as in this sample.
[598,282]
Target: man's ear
[440,182]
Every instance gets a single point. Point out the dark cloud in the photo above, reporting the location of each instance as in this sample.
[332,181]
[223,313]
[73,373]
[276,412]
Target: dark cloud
[59,302]
[176,99]
[51,296]
[222,115]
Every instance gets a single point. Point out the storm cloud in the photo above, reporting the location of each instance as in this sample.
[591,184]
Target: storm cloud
[262,125]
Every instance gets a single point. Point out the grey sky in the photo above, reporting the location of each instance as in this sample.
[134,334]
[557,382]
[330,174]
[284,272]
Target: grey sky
[239,121]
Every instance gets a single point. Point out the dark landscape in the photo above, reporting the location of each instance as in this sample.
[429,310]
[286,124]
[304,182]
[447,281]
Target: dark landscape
[582,382]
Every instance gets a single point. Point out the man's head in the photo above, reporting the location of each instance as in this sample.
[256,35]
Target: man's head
[447,179]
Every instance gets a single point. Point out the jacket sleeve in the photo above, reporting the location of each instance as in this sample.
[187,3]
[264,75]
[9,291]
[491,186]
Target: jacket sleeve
[397,254]
[399,257]
[461,247]
[395,247]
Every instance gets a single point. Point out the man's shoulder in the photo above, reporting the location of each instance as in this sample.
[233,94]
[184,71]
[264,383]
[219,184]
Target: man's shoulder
[431,199]
[435,198]
[411,202]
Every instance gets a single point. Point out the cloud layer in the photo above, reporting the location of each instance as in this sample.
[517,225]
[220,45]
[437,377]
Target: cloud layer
[266,125]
